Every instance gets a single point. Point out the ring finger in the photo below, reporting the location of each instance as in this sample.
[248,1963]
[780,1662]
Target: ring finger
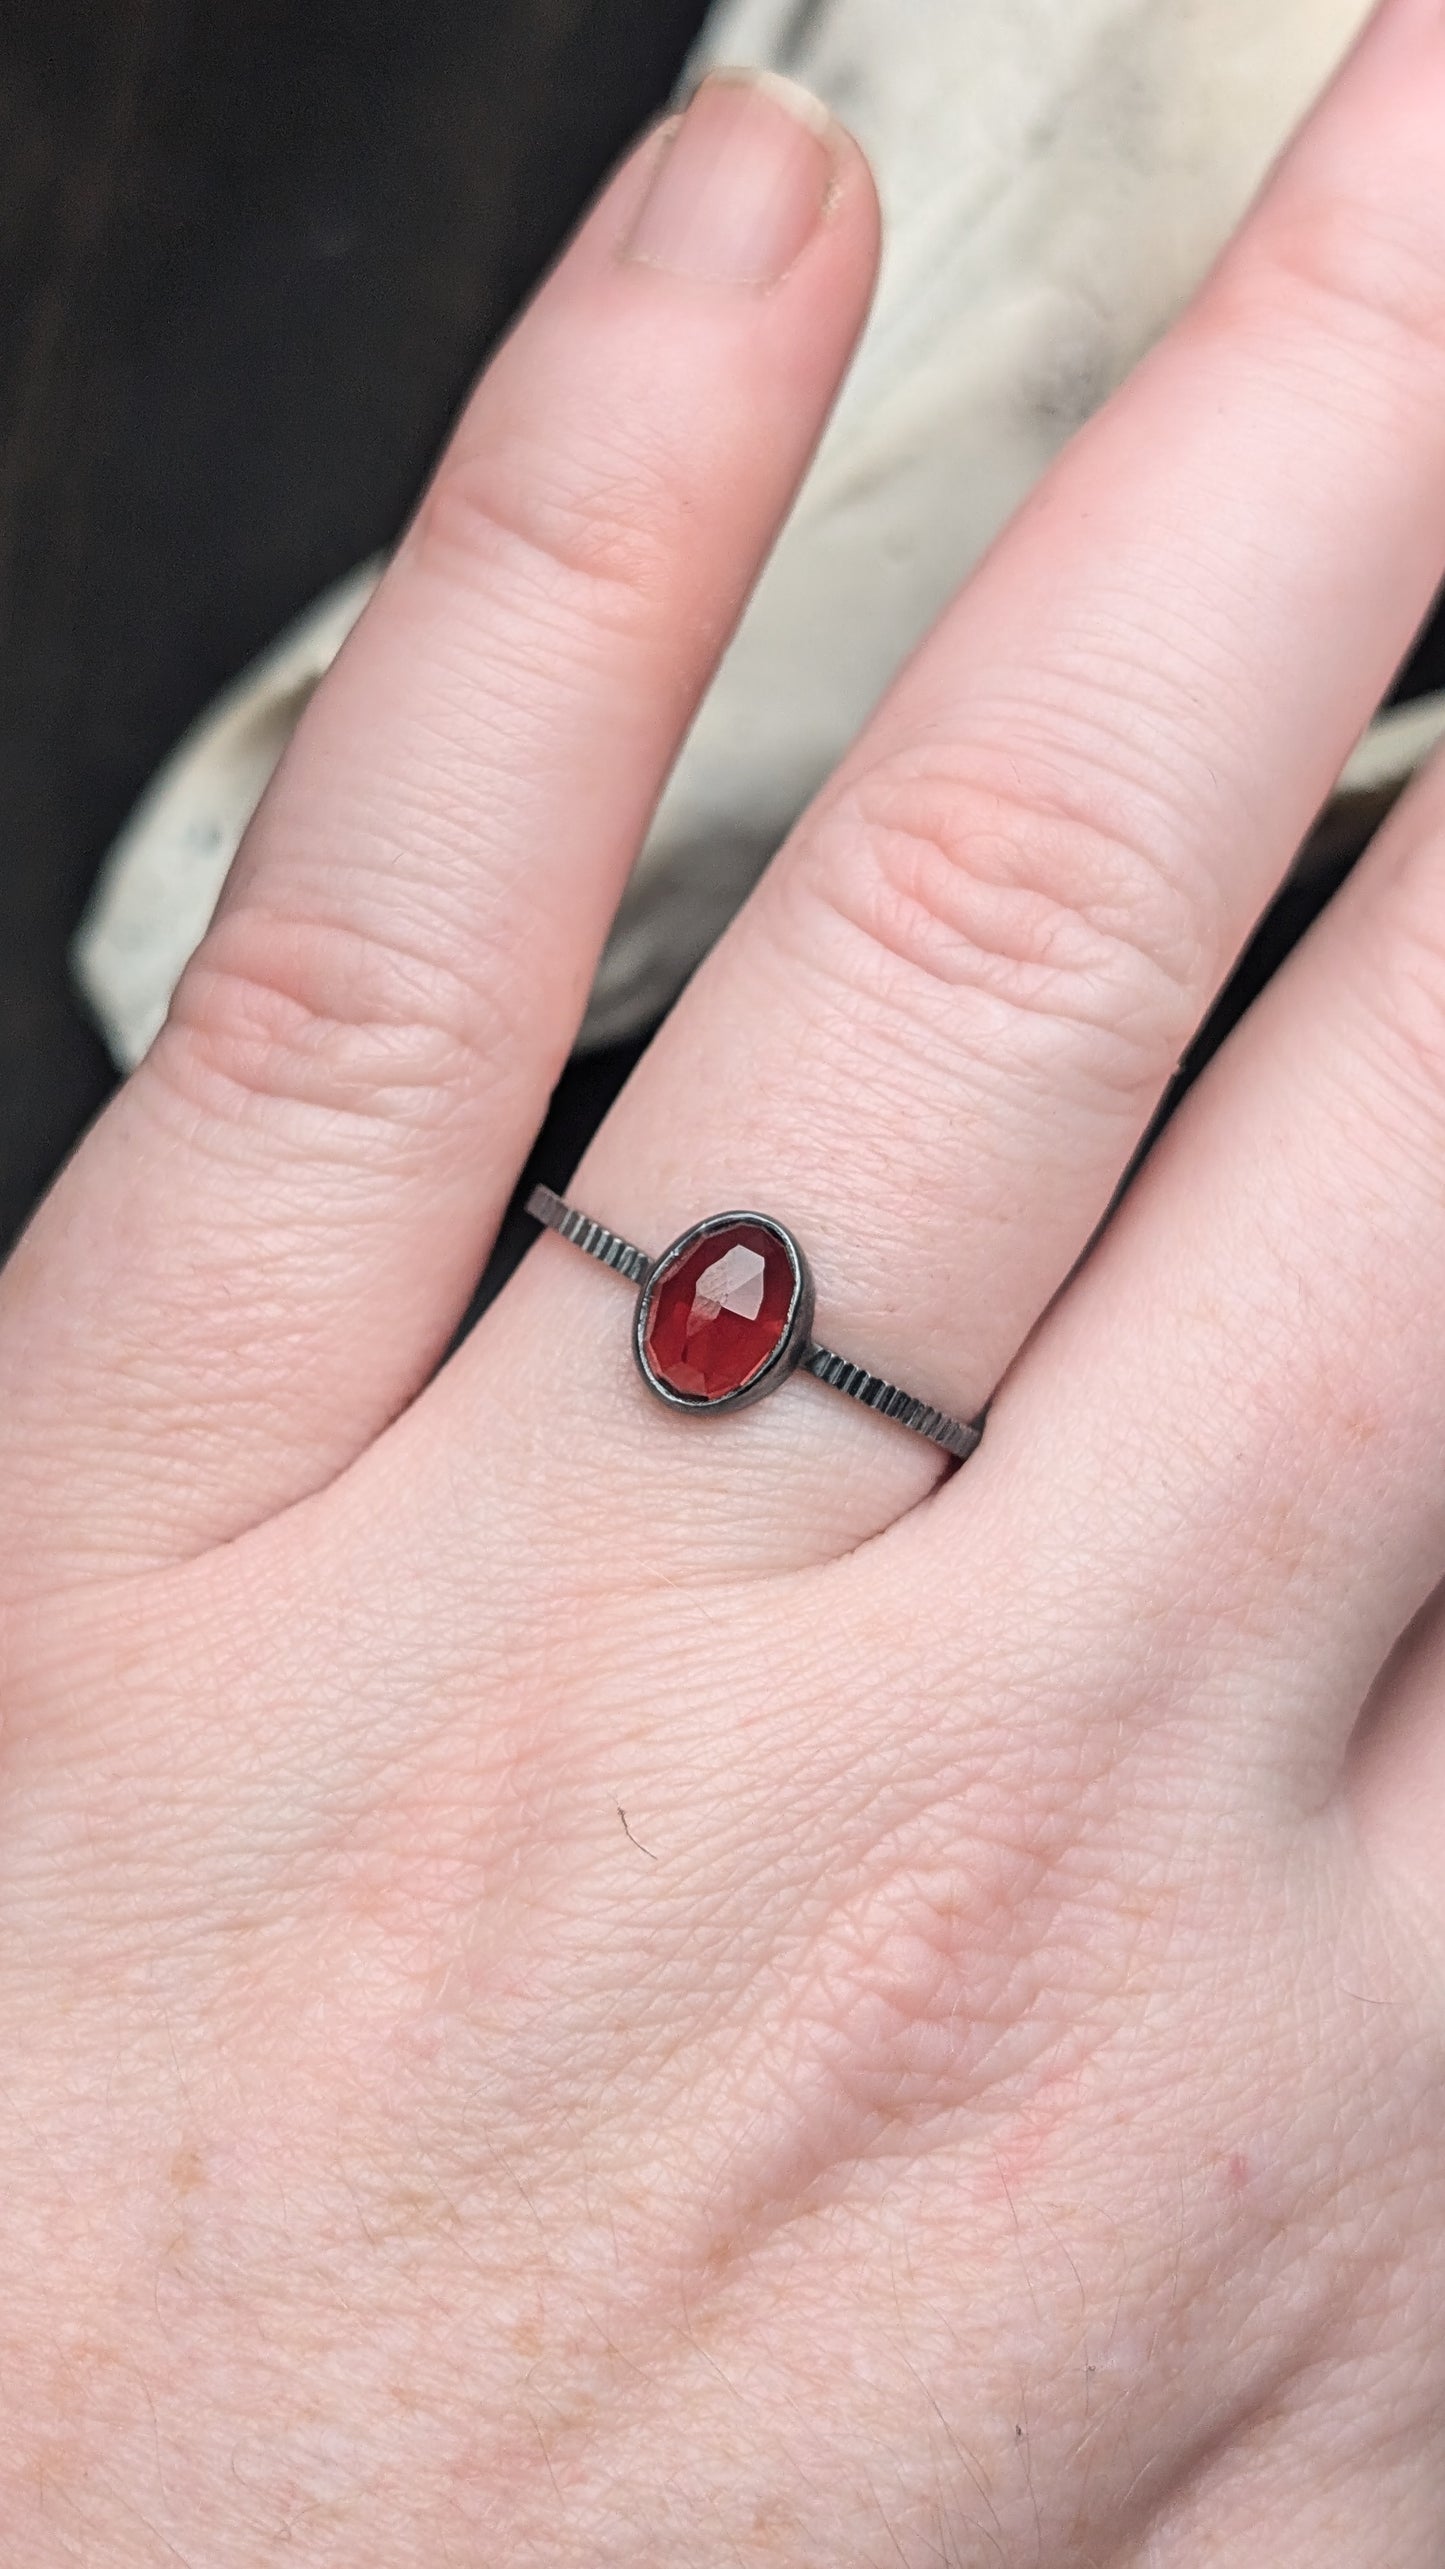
[932,1042]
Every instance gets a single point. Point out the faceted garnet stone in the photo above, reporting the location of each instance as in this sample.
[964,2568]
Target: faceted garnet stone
[719,1312]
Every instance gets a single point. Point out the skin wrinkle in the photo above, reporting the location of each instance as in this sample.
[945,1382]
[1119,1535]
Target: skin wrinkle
[1061,835]
[911,899]
[1118,730]
[608,562]
[379,1053]
[433,811]
[1371,271]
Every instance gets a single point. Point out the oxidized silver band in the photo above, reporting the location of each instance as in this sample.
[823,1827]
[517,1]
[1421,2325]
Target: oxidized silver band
[775,1300]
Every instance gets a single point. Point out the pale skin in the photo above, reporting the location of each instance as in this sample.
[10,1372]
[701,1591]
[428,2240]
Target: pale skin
[583,1988]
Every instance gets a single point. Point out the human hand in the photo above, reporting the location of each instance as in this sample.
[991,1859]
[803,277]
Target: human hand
[584,1987]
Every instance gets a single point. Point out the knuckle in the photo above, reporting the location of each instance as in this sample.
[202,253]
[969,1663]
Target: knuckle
[923,1987]
[331,1021]
[947,877]
[1363,273]
[913,1990]
[593,533]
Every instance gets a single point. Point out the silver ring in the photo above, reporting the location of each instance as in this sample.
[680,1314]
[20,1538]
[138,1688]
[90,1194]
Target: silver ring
[726,1315]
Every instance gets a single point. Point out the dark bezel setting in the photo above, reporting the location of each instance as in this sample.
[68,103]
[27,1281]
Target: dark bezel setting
[794,1354]
[792,1346]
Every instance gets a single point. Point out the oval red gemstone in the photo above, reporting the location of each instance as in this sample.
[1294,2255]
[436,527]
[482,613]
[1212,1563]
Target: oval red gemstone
[719,1313]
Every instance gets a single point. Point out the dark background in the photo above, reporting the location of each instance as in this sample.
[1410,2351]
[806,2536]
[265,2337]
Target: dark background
[250,256]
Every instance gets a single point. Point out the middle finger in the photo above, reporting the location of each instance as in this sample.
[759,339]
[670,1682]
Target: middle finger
[933,1040]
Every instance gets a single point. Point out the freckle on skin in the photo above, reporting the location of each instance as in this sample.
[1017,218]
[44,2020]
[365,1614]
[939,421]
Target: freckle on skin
[1238,2172]
[188,2170]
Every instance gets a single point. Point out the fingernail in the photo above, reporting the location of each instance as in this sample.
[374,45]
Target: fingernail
[742,185]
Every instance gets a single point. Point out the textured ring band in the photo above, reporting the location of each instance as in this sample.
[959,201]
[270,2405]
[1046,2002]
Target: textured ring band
[726,1315]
